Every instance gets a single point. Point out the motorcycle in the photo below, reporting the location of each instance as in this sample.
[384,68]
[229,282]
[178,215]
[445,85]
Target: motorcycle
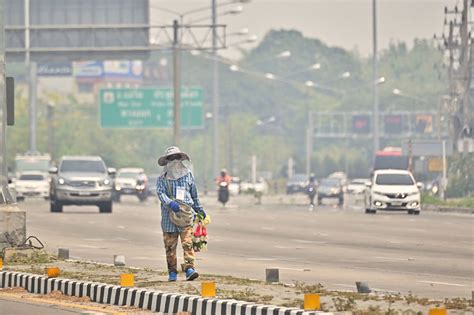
[223,193]
[142,192]
[311,192]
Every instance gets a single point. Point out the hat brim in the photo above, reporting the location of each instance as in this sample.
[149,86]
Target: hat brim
[162,161]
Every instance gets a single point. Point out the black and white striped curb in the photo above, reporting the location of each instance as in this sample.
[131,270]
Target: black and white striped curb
[167,303]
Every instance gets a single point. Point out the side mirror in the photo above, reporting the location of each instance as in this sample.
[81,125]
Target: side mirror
[112,171]
[53,170]
[368,184]
[420,185]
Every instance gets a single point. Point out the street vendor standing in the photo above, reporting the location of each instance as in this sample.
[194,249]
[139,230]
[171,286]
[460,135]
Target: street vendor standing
[178,194]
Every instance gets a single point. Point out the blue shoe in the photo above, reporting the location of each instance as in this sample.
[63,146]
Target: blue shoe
[191,274]
[172,276]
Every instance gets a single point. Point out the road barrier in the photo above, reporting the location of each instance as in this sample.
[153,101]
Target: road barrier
[142,298]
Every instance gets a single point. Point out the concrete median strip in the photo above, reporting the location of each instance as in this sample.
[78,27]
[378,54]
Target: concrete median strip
[167,303]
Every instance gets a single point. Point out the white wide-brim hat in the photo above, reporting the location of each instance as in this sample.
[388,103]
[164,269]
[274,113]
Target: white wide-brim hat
[163,160]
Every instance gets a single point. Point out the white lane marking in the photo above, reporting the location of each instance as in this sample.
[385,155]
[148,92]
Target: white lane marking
[121,239]
[292,269]
[394,258]
[344,285]
[309,242]
[120,227]
[444,283]
[93,239]
[92,247]
[144,258]
[261,259]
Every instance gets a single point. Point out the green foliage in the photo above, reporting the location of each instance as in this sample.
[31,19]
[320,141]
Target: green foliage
[461,176]
[246,98]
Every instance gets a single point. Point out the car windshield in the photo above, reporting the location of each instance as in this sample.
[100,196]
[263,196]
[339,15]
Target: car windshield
[128,175]
[394,179]
[82,166]
[329,182]
[31,177]
[298,178]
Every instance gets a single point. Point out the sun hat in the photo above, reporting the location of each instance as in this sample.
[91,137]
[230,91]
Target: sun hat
[163,160]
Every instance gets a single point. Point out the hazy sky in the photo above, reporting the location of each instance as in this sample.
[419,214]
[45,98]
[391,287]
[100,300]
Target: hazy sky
[344,23]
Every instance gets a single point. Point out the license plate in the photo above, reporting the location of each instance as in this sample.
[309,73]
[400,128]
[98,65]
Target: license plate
[84,193]
[396,204]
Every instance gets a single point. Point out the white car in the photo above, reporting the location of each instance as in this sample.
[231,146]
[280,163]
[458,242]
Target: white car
[234,186]
[32,184]
[393,190]
[357,186]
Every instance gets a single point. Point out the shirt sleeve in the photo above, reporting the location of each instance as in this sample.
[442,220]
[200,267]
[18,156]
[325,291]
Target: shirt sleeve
[161,189]
[194,195]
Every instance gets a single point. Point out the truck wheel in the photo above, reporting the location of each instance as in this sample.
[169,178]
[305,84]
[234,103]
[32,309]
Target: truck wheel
[105,207]
[55,205]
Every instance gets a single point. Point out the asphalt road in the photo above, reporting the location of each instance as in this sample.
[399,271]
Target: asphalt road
[11,307]
[429,255]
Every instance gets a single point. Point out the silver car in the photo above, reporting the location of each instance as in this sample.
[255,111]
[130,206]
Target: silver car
[81,180]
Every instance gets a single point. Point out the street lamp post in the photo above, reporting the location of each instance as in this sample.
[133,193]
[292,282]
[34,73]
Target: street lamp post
[375,77]
[215,91]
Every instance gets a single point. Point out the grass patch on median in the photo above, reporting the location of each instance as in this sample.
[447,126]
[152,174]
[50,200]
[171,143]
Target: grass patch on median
[467,202]
[249,290]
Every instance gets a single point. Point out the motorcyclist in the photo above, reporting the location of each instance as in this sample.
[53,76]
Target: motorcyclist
[223,182]
[223,178]
[311,190]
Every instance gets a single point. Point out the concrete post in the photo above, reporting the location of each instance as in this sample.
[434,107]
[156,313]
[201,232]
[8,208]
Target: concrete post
[12,226]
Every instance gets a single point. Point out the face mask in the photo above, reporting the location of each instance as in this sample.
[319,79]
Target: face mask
[175,169]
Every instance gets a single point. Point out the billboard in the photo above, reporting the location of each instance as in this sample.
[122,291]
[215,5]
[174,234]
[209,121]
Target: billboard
[424,124]
[109,70]
[67,30]
[393,124]
[361,124]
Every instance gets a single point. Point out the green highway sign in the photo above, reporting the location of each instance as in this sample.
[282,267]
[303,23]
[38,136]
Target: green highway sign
[149,108]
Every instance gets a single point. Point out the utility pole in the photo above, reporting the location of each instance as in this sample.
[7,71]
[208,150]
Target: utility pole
[32,84]
[375,77]
[215,90]
[176,83]
[309,144]
[50,115]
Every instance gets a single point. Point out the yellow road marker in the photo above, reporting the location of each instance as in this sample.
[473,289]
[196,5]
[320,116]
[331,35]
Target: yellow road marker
[437,311]
[312,302]
[1,263]
[53,272]
[208,289]
[127,280]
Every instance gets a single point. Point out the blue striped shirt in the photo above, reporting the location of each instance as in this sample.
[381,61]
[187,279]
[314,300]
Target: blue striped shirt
[191,198]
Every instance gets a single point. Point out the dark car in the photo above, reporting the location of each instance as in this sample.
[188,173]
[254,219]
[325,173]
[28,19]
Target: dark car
[331,188]
[81,180]
[297,184]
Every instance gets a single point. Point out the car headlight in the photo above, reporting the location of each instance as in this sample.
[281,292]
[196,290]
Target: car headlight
[377,192]
[106,181]
[61,181]
[413,193]
[117,187]
[334,190]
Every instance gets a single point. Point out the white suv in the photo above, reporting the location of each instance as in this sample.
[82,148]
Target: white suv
[393,190]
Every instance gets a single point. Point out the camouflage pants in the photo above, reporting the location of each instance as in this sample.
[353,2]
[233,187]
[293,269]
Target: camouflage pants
[171,242]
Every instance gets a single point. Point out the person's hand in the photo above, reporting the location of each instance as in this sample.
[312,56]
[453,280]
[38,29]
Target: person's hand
[174,206]
[203,213]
